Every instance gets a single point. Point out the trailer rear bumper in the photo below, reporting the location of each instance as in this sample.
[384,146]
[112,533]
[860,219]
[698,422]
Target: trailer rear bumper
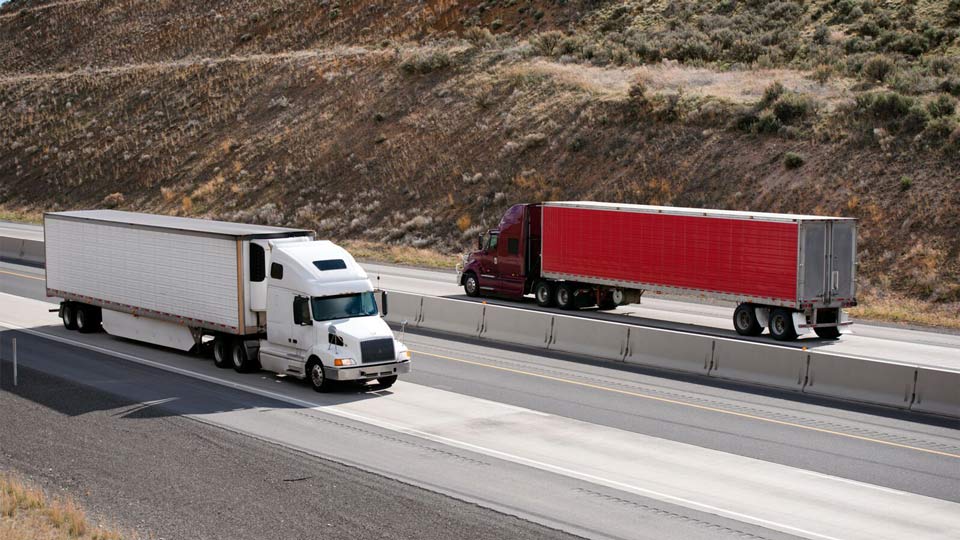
[363,373]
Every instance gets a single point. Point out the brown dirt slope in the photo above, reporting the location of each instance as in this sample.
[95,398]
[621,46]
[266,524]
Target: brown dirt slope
[419,123]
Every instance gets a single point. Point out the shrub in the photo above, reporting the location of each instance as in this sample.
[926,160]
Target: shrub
[877,69]
[951,13]
[791,107]
[938,130]
[545,43]
[822,73]
[905,183]
[767,123]
[772,93]
[950,86]
[821,35]
[425,62]
[885,105]
[943,105]
[793,160]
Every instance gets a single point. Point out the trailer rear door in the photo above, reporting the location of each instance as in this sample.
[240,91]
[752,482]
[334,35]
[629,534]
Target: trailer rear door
[813,257]
[843,244]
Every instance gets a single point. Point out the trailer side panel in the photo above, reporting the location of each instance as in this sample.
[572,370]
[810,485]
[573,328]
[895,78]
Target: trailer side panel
[177,276]
[736,257]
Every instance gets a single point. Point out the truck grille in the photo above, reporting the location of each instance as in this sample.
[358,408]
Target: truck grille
[376,350]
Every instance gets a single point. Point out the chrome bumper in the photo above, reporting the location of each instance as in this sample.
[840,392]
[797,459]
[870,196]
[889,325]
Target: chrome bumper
[362,373]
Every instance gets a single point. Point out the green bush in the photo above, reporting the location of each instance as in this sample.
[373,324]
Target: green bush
[772,93]
[878,69]
[793,160]
[791,107]
[545,43]
[426,62]
[905,183]
[885,106]
[767,123]
[941,106]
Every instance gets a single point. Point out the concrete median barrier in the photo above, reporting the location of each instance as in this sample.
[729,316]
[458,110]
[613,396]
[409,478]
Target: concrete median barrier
[671,350]
[17,250]
[454,316]
[937,392]
[589,337]
[782,367]
[516,326]
[402,307]
[869,381]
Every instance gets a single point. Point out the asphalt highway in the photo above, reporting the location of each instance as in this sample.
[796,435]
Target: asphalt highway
[585,447]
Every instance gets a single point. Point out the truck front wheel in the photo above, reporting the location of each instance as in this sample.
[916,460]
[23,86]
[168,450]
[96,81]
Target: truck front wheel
[781,325]
[69,314]
[386,382]
[317,376]
[745,320]
[543,292]
[221,352]
[470,285]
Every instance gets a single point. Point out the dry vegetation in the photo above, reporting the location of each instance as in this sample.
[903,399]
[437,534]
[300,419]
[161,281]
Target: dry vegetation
[412,126]
[27,513]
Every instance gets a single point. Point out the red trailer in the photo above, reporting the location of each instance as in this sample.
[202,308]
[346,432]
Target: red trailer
[787,272]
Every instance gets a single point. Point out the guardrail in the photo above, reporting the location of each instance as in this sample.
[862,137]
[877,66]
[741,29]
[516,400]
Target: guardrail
[20,251]
[902,386]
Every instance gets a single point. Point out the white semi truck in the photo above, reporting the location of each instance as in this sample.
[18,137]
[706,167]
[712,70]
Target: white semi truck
[256,296]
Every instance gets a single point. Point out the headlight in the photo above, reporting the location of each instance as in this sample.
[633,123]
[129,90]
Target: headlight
[344,362]
[405,355]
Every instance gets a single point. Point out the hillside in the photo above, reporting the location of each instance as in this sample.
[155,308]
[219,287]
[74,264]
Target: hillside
[418,123]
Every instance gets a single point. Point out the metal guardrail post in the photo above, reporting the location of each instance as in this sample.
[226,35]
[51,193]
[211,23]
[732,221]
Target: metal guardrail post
[14,361]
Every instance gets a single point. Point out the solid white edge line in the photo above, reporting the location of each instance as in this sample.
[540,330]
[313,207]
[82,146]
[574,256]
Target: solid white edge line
[436,438]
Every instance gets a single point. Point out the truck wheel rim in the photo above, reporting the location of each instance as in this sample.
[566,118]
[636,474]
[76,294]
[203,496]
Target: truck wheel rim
[237,360]
[81,320]
[778,324]
[316,375]
[218,352]
[543,294]
[563,297]
[68,315]
[743,320]
[471,284]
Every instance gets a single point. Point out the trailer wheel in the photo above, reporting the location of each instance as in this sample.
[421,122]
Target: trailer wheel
[745,320]
[221,352]
[317,377]
[470,285]
[69,314]
[781,325]
[565,296]
[386,382]
[607,303]
[242,362]
[88,319]
[543,291]
[828,332]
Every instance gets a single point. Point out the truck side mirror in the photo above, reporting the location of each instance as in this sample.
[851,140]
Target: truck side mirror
[480,242]
[301,311]
[383,303]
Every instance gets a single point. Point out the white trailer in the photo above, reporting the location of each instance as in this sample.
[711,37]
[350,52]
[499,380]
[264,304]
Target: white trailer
[255,296]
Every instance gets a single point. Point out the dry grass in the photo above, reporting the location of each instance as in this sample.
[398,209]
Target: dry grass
[26,512]
[410,256]
[897,308]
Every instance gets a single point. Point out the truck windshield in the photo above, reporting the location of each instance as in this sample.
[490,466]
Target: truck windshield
[343,306]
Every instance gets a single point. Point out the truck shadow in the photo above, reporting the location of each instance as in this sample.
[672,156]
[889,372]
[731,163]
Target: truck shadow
[157,382]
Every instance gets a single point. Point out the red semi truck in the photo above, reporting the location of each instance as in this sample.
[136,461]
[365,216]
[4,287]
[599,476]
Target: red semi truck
[789,273]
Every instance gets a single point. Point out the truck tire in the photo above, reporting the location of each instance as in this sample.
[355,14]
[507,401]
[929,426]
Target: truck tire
[745,320]
[543,292]
[221,352]
[565,296]
[241,360]
[828,332]
[87,319]
[69,314]
[386,382]
[317,377]
[781,325]
[471,285]
[607,303]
